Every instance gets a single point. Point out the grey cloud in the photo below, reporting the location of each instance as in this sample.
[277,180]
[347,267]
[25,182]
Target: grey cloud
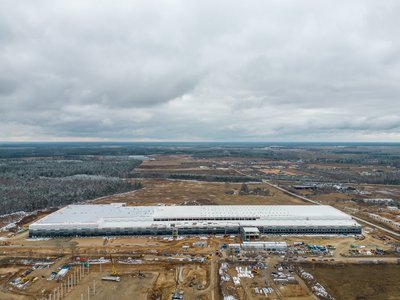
[277,70]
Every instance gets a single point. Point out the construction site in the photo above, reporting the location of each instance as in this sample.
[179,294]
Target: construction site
[246,264]
[177,239]
[181,267]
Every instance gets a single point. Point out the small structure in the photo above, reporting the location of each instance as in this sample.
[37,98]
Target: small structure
[392,208]
[61,274]
[386,201]
[305,187]
[385,220]
[250,233]
[200,244]
[267,246]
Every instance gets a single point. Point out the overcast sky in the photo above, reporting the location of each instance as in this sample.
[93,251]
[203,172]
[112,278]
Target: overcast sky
[200,70]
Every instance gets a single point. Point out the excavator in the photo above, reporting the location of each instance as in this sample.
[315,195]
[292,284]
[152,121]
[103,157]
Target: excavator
[114,271]
[255,271]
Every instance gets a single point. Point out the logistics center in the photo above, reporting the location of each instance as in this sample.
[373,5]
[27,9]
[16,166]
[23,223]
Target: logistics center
[248,220]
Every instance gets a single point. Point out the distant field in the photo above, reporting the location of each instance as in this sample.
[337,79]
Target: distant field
[360,282]
[189,164]
[157,191]
[279,171]
[383,191]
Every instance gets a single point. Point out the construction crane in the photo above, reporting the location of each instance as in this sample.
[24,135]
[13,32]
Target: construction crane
[114,271]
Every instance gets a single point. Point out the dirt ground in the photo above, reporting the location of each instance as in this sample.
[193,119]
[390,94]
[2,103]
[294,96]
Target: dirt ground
[159,191]
[8,296]
[247,287]
[130,287]
[164,271]
[361,282]
[163,191]
[382,191]
[156,281]
[281,171]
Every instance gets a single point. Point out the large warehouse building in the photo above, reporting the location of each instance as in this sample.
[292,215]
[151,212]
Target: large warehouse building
[117,219]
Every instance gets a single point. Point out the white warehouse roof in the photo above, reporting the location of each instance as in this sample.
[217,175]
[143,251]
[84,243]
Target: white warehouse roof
[114,216]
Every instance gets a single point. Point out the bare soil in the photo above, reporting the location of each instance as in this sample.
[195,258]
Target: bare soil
[358,282]
[161,191]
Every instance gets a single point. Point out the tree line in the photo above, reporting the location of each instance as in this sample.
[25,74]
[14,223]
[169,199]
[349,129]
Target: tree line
[34,184]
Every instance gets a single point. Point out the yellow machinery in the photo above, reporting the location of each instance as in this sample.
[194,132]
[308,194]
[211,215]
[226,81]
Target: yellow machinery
[255,271]
[114,271]
[25,279]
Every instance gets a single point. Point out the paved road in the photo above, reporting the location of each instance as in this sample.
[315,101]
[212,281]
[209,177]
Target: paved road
[317,203]
[290,193]
[376,226]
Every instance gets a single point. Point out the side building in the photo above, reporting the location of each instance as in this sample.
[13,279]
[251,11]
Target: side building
[117,219]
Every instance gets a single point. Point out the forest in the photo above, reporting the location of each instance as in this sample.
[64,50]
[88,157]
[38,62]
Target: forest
[31,184]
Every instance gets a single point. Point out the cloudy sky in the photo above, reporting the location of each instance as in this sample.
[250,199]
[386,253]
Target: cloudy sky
[200,70]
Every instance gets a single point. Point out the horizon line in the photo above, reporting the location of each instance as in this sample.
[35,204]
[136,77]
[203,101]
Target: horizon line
[193,141]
